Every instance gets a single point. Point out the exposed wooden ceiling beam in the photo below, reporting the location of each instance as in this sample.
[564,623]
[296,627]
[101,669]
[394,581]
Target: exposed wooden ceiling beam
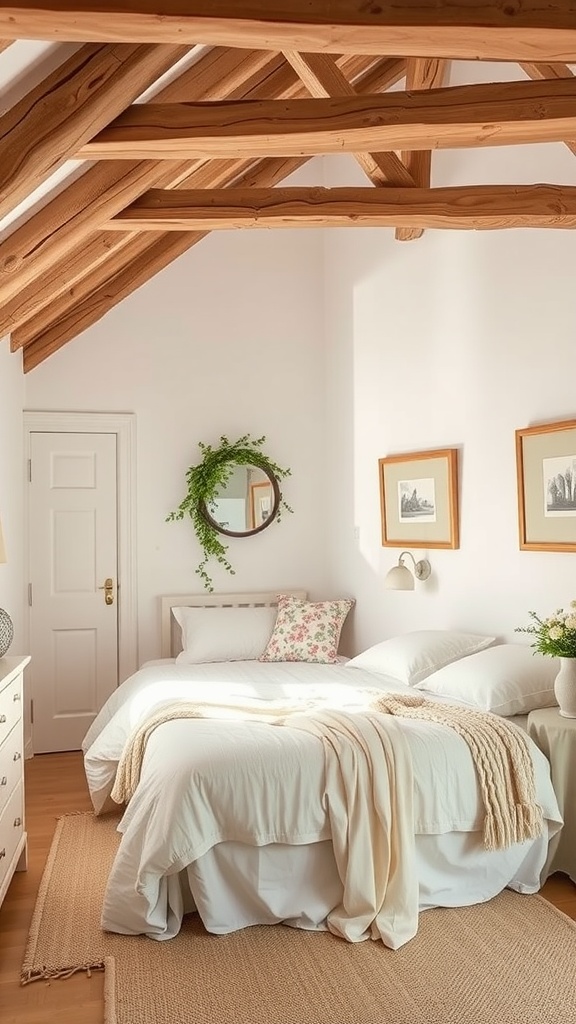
[477,206]
[74,214]
[323,78]
[69,107]
[421,73]
[63,273]
[134,273]
[466,115]
[543,71]
[103,299]
[132,247]
[537,72]
[66,277]
[523,30]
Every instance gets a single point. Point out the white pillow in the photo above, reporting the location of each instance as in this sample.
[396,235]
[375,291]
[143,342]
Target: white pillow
[509,679]
[223,634]
[413,656]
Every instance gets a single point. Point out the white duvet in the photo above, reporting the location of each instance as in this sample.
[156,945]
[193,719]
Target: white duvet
[207,782]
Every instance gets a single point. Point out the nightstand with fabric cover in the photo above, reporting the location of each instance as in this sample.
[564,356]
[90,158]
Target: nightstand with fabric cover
[556,737]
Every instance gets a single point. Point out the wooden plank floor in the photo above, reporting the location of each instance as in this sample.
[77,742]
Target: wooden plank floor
[55,785]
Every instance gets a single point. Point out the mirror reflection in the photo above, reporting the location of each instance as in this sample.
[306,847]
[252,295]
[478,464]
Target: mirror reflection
[247,504]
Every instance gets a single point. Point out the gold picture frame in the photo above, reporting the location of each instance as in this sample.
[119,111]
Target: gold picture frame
[546,473]
[419,499]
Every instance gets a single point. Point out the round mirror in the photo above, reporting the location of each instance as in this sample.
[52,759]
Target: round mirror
[247,503]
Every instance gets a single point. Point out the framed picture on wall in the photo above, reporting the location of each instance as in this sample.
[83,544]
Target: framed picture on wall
[419,499]
[261,503]
[546,471]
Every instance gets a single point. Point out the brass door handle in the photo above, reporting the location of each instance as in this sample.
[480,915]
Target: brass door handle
[108,589]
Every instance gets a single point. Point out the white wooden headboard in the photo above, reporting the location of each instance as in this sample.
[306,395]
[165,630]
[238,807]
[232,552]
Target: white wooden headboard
[170,631]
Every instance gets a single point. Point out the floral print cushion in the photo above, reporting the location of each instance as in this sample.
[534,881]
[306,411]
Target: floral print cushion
[306,630]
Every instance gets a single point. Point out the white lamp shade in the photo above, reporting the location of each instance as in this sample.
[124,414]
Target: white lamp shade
[399,578]
[2,547]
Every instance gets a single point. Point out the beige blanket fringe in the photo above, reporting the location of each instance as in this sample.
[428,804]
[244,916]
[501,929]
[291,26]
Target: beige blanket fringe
[500,752]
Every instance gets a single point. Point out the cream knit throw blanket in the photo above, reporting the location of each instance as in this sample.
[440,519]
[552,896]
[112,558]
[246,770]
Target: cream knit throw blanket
[500,752]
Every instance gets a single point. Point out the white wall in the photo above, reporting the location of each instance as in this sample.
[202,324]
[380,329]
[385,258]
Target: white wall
[227,340]
[12,489]
[454,340]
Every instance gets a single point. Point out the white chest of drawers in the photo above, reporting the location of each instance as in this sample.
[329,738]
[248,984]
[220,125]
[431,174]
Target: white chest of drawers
[12,827]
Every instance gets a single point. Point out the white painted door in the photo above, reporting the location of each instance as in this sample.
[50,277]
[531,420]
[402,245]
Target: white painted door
[73,553]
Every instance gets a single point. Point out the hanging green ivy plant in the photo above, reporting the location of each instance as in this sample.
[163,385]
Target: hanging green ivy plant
[207,480]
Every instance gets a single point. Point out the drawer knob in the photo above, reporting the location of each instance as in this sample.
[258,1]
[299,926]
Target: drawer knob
[17,756]
[2,719]
[16,696]
[2,853]
[3,781]
[17,822]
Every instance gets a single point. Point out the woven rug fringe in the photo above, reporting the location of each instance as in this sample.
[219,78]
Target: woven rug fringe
[44,973]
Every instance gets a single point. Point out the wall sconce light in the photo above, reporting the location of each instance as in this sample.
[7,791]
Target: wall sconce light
[6,627]
[402,578]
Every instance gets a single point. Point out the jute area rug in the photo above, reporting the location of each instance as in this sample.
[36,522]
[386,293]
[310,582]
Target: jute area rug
[509,961]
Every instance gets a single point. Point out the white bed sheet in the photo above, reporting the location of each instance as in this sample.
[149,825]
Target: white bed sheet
[237,878]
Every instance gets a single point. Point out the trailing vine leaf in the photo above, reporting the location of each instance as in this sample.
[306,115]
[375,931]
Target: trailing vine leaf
[207,479]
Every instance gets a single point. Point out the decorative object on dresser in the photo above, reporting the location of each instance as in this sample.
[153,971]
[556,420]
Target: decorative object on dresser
[546,470]
[556,737]
[6,627]
[234,490]
[12,828]
[556,637]
[402,578]
[419,499]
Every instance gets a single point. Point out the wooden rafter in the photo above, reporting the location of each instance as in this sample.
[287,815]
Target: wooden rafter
[132,248]
[538,72]
[69,275]
[421,73]
[68,219]
[69,107]
[133,274]
[466,115]
[323,78]
[65,284]
[523,30]
[477,206]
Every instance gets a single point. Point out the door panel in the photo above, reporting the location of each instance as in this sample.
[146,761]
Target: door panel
[73,549]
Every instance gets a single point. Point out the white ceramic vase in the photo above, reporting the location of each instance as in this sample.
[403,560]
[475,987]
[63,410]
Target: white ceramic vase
[565,687]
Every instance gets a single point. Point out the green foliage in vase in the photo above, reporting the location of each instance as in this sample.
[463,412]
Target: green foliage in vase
[206,480]
[555,636]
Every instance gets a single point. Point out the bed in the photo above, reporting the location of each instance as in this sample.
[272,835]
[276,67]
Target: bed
[229,817]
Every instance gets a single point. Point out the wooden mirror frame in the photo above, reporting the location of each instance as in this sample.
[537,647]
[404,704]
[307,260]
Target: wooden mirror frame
[277,497]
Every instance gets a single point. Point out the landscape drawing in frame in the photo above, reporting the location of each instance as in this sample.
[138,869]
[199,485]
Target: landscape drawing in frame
[546,472]
[419,499]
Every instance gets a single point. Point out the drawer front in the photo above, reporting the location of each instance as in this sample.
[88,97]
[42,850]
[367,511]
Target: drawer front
[11,764]
[11,829]
[10,707]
